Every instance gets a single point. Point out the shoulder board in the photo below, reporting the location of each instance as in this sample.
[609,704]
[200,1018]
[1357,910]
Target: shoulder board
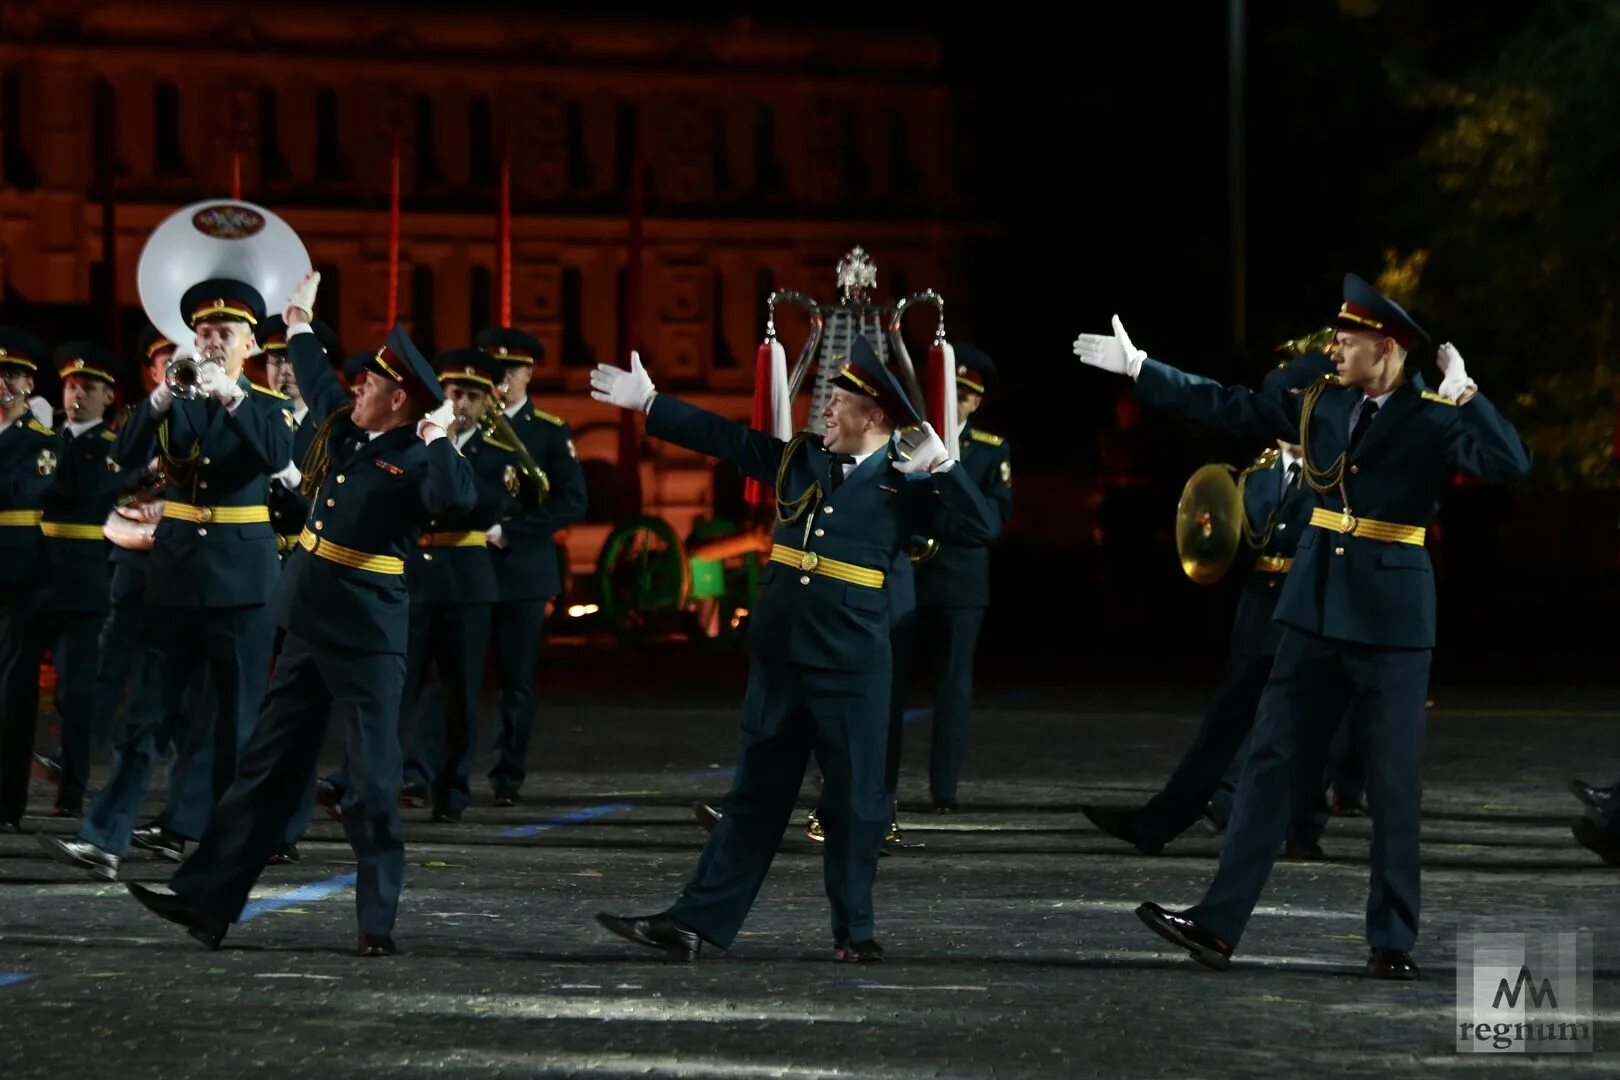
[110,436]
[35,425]
[1330,379]
[1266,460]
[550,418]
[985,437]
[499,444]
[1430,395]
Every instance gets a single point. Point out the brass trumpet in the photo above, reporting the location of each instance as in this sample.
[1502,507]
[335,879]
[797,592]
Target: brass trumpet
[498,429]
[184,373]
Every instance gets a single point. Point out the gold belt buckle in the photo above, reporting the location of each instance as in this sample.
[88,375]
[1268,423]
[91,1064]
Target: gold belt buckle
[809,561]
[205,514]
[1347,523]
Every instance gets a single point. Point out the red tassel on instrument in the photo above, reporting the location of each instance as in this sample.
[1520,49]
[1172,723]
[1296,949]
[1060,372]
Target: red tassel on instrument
[236,175]
[754,492]
[393,239]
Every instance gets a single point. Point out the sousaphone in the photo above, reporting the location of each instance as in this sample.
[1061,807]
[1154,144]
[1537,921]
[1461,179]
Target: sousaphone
[216,238]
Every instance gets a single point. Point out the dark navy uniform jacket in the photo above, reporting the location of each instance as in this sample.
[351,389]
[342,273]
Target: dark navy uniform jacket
[465,575]
[811,618]
[29,456]
[374,502]
[959,576]
[213,458]
[1344,586]
[526,569]
[1279,517]
[88,483]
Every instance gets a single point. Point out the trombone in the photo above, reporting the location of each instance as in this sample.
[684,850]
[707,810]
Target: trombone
[498,428]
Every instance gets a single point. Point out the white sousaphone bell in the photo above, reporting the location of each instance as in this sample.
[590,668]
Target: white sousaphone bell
[216,238]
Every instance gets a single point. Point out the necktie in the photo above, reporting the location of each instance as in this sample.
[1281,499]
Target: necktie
[835,471]
[1368,410]
[1292,477]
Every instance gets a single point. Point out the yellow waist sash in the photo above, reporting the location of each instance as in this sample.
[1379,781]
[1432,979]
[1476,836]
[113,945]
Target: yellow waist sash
[811,563]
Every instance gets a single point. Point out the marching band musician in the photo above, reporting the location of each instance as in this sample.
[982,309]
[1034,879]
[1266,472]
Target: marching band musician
[453,593]
[1358,607]
[29,452]
[120,646]
[209,575]
[525,552]
[1277,507]
[953,587]
[819,679]
[385,469]
[87,484]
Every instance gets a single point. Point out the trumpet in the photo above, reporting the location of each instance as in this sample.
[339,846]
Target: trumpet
[184,373]
[496,427]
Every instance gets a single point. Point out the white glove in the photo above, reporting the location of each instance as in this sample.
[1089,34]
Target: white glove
[301,304]
[431,428]
[921,450]
[160,400]
[212,380]
[41,410]
[1455,382]
[631,389]
[290,477]
[492,536]
[1111,353]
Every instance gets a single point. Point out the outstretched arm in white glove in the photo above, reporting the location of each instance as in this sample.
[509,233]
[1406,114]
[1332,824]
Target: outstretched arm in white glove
[1455,385]
[1111,352]
[922,451]
[631,389]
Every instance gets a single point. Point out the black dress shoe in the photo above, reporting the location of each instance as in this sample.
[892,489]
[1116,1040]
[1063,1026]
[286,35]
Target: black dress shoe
[1591,794]
[72,810]
[504,798]
[1121,825]
[283,855]
[329,799]
[944,806]
[46,768]
[375,945]
[83,855]
[858,952]
[1392,964]
[1303,849]
[160,842]
[447,817]
[413,794]
[1213,820]
[1177,929]
[10,827]
[677,941]
[206,928]
[1598,839]
[706,815]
